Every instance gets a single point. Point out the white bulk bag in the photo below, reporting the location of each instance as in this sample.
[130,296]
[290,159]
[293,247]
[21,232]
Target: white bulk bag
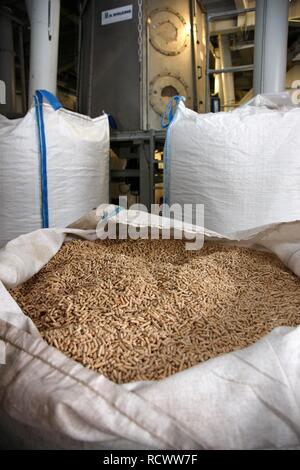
[77,169]
[244,166]
[247,399]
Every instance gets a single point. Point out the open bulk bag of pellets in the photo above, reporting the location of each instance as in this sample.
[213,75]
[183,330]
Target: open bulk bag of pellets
[246,399]
[54,167]
[244,165]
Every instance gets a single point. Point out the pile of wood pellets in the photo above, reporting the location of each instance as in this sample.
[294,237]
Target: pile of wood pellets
[143,310]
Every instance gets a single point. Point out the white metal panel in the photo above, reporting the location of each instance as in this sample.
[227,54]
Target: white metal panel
[170,55]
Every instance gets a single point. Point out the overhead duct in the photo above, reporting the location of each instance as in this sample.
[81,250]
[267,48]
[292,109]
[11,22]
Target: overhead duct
[44,19]
[271,39]
[7,66]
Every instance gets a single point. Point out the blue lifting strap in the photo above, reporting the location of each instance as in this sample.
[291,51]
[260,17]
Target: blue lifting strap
[169,113]
[39,97]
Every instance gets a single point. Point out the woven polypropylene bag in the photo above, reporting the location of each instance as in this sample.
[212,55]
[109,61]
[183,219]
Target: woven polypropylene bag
[77,169]
[244,166]
[247,399]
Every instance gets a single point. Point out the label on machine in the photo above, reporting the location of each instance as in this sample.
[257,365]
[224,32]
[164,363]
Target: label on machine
[117,14]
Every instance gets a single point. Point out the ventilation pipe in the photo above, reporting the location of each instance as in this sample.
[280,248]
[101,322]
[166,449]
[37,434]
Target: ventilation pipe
[7,67]
[44,18]
[227,78]
[271,40]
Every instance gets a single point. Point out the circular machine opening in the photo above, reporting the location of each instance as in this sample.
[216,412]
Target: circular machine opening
[169,91]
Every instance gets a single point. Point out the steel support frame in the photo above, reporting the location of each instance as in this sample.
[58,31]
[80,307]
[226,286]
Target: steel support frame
[209,72]
[146,143]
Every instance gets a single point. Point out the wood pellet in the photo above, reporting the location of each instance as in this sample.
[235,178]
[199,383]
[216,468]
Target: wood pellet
[143,310]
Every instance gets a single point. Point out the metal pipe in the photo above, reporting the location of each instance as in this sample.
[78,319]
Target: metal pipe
[242,47]
[238,68]
[207,58]
[193,51]
[7,65]
[227,74]
[44,18]
[271,37]
[218,79]
[260,32]
[230,13]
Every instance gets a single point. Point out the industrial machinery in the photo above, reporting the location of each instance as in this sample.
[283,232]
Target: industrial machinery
[134,56]
[175,50]
[149,50]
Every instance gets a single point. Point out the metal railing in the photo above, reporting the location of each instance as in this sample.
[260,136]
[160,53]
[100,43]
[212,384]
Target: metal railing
[243,68]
